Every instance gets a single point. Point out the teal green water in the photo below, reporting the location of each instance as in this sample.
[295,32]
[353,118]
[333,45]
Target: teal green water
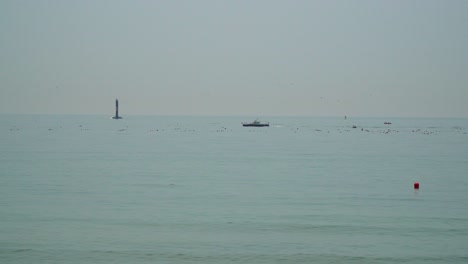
[88,189]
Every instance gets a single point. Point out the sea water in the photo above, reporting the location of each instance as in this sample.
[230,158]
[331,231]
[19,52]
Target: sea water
[152,189]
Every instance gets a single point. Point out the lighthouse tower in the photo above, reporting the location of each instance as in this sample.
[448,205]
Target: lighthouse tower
[116,110]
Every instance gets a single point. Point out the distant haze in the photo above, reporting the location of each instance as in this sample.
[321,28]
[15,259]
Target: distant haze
[309,58]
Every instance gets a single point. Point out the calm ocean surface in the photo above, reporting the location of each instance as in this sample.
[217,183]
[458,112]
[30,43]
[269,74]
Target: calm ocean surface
[146,189]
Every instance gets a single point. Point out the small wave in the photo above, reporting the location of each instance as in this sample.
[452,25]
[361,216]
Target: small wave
[21,250]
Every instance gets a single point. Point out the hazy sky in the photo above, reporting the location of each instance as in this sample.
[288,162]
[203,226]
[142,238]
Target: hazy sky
[239,57]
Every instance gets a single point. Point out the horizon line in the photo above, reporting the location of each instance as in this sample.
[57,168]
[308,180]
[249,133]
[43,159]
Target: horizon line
[238,115]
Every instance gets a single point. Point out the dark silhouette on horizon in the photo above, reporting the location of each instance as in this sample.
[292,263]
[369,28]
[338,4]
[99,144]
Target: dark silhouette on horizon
[116,110]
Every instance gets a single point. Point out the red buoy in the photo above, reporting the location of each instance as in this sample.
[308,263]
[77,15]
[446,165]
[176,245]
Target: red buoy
[416,185]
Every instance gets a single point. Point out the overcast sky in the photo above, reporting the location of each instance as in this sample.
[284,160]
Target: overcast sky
[243,57]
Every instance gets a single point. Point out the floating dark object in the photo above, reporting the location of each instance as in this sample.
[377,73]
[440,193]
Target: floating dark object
[387,123]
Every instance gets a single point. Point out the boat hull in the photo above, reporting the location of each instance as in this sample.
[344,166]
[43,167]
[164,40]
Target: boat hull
[255,125]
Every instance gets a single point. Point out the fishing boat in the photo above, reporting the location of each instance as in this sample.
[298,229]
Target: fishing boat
[256,123]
